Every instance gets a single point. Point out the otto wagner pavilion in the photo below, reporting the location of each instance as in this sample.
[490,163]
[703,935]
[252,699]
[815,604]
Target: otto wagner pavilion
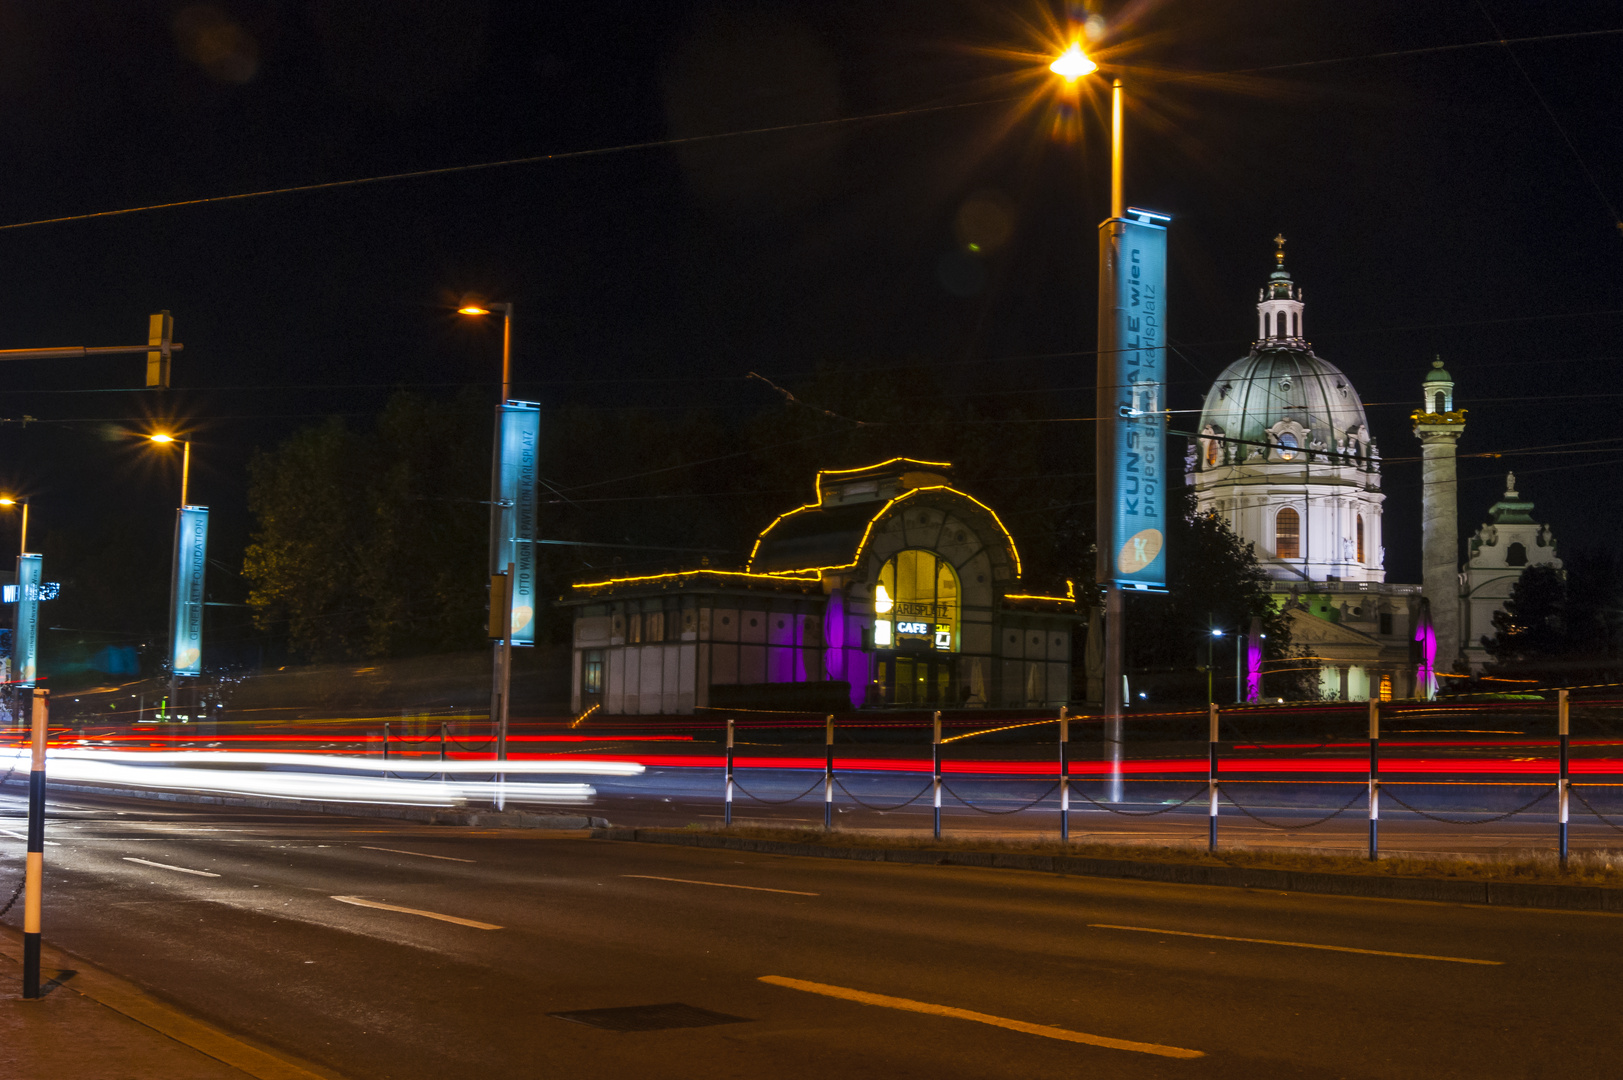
[892,588]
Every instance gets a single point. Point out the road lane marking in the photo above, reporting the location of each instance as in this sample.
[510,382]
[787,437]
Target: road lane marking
[718,884]
[166,866]
[24,836]
[1303,945]
[358,902]
[419,854]
[862,997]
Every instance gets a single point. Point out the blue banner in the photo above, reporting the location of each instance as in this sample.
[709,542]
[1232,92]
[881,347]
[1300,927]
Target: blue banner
[514,509]
[186,605]
[25,644]
[1132,397]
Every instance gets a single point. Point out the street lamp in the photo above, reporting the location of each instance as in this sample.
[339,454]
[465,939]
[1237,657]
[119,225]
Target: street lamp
[165,439]
[478,308]
[501,679]
[8,500]
[186,571]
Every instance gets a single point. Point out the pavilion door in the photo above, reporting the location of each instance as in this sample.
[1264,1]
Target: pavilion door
[918,680]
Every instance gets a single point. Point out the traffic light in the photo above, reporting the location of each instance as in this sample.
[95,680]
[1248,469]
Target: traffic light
[160,336]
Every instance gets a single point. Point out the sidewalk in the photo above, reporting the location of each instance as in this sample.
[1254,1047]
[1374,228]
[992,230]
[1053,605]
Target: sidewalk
[91,1025]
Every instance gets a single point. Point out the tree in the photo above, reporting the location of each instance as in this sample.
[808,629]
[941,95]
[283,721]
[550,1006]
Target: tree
[1213,581]
[371,545]
[1562,627]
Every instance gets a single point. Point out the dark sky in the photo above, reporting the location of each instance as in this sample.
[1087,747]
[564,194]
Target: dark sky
[1434,203]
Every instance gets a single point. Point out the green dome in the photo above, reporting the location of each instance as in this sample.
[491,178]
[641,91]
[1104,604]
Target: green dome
[1437,374]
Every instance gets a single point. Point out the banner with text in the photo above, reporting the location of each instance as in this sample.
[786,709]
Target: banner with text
[25,642]
[514,510]
[186,606]
[1132,398]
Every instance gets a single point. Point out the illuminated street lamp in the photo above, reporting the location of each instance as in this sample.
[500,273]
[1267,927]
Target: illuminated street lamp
[477,308]
[186,596]
[501,680]
[22,542]
[165,439]
[1129,521]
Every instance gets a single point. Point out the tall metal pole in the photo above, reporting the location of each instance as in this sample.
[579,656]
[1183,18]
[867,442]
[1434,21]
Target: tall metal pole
[828,777]
[1374,779]
[185,468]
[504,684]
[507,350]
[34,882]
[727,802]
[1563,782]
[1064,774]
[1104,465]
[935,748]
[1211,777]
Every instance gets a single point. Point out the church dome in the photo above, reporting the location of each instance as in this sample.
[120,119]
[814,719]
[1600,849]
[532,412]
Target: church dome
[1276,391]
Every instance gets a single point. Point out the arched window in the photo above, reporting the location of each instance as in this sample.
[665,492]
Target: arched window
[1441,402]
[1296,324]
[916,603]
[1287,447]
[1281,324]
[1287,534]
[1360,537]
[1516,555]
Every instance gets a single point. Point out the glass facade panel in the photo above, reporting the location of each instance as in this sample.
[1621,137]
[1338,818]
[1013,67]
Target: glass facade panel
[916,603]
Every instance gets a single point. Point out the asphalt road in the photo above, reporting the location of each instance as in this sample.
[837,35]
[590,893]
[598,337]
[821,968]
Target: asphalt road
[568,924]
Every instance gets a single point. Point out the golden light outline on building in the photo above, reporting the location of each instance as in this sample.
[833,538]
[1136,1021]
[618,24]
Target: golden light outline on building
[868,531]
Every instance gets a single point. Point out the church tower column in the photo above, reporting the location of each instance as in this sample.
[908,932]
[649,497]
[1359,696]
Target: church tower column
[1438,426]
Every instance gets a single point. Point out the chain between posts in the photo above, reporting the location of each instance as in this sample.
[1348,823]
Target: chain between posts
[1288,828]
[1484,821]
[1604,820]
[925,790]
[1142,813]
[1052,788]
[775,802]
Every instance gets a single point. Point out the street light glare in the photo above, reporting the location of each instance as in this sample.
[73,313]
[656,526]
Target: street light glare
[472,309]
[8,501]
[162,438]
[1073,63]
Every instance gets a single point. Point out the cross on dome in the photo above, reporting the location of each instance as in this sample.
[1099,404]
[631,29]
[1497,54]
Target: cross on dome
[1279,256]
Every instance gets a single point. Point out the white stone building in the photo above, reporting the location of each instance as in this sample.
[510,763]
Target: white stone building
[1508,542]
[1286,458]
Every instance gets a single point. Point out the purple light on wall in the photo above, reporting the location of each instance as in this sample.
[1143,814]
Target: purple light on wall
[1253,667]
[1425,675]
[843,661]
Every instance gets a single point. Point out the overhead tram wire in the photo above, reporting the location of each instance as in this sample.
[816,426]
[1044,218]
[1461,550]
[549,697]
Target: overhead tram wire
[658,144]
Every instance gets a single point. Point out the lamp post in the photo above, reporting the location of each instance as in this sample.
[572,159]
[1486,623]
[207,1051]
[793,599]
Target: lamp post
[191,536]
[501,677]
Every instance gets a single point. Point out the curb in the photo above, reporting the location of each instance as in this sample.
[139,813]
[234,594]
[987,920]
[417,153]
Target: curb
[1445,890]
[487,819]
[124,997]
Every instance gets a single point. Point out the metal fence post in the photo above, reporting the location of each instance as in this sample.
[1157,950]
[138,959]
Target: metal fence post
[936,750]
[442,751]
[828,778]
[1563,783]
[727,806]
[1064,774]
[1211,777]
[386,740]
[1374,779]
[34,879]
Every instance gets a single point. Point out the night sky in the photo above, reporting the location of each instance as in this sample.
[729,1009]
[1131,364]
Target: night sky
[1452,201]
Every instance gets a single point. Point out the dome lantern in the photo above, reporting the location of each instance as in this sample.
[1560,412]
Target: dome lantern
[1279,310]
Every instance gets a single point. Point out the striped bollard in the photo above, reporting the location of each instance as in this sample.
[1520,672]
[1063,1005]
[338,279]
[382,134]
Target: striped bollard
[935,748]
[34,882]
[727,806]
[1374,779]
[1064,775]
[1563,784]
[828,778]
[386,740]
[1211,776]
